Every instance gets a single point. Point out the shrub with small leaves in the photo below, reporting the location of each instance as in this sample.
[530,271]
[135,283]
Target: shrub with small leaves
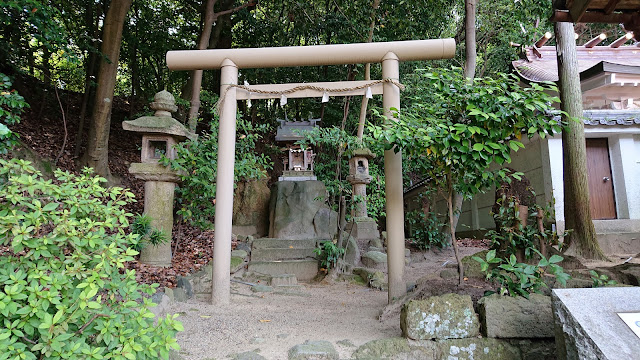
[328,254]
[600,280]
[64,292]
[11,105]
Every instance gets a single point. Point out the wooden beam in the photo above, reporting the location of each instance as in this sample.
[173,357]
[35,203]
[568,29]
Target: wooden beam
[592,17]
[578,8]
[611,6]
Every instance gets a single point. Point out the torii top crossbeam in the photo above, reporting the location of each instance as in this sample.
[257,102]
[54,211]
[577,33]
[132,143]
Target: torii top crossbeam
[230,60]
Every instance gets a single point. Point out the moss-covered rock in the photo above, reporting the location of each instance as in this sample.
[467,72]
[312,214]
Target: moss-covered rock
[396,348]
[448,316]
[477,349]
[472,267]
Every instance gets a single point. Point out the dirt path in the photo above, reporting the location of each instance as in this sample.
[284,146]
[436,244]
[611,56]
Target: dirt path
[342,313]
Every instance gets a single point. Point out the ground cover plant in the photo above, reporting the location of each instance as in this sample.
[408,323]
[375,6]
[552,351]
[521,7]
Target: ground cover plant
[64,293]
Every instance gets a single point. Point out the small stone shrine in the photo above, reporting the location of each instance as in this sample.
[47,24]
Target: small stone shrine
[363,227]
[160,133]
[298,165]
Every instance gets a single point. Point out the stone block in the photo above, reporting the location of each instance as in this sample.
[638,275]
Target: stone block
[314,350]
[297,211]
[268,243]
[363,228]
[544,349]
[261,288]
[448,316]
[472,267]
[251,207]
[516,317]
[304,270]
[352,252]
[477,349]
[239,253]
[247,355]
[375,279]
[587,325]
[374,260]
[396,348]
[284,280]
[274,254]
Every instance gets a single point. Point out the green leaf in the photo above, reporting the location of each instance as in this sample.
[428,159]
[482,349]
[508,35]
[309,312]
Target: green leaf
[478,147]
[554,259]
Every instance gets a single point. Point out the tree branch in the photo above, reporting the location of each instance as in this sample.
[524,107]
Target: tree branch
[90,321]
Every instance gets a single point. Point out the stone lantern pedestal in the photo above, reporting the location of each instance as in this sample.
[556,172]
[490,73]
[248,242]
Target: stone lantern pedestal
[363,227]
[160,133]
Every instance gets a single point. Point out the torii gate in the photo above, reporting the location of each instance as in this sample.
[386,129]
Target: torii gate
[230,60]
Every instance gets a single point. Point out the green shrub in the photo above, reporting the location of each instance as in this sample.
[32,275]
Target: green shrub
[141,226]
[64,292]
[328,254]
[520,279]
[425,230]
[11,105]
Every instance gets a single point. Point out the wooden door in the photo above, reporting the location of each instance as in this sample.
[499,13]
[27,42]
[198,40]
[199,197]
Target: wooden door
[603,204]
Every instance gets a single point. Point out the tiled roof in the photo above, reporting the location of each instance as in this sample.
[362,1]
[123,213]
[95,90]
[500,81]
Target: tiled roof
[612,117]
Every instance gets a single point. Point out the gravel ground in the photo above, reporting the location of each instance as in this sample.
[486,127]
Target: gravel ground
[343,313]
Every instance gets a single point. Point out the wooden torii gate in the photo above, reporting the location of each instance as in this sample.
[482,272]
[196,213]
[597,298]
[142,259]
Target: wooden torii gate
[230,60]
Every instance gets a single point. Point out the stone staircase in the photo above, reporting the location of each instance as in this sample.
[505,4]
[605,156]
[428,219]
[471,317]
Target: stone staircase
[279,257]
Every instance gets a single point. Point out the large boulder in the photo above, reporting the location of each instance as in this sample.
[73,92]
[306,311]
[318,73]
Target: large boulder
[297,210]
[448,316]
[375,260]
[516,317]
[251,207]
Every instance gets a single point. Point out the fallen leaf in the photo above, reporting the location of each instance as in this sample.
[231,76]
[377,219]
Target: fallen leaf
[264,321]
[205,316]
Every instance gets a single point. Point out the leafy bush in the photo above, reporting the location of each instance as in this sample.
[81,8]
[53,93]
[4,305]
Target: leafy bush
[64,292]
[328,254]
[425,230]
[520,279]
[511,235]
[11,105]
[197,163]
[600,280]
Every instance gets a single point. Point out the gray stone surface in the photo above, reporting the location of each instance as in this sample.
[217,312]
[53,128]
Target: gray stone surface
[448,316]
[281,254]
[477,349]
[284,280]
[239,253]
[376,243]
[374,278]
[247,355]
[374,260]
[304,270]
[297,210]
[352,252]
[313,350]
[251,207]
[261,288]
[158,200]
[587,325]
[472,267]
[396,349]
[516,317]
[544,349]
[363,229]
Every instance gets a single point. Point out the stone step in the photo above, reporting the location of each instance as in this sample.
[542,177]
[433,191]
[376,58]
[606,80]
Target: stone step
[304,270]
[268,243]
[272,254]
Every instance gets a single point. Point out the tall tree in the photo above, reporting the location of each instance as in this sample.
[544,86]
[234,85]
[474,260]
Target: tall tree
[577,213]
[96,155]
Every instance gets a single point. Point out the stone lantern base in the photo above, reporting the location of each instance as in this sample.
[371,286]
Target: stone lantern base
[363,228]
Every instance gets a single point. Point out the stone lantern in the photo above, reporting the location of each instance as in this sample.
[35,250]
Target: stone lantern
[160,133]
[363,226]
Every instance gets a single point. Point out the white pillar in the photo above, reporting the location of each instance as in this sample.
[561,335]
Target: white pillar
[224,185]
[393,186]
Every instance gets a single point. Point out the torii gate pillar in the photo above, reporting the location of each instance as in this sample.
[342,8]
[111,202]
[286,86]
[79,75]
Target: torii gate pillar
[230,60]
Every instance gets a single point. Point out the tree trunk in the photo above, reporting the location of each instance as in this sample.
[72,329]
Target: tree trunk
[577,213]
[470,39]
[452,232]
[367,72]
[97,155]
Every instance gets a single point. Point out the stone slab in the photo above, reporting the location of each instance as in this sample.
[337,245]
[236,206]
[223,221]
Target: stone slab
[374,260]
[363,228]
[268,243]
[282,254]
[587,325]
[313,350]
[284,280]
[304,270]
[448,316]
[516,317]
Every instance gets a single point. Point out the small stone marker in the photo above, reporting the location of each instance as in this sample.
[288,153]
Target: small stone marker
[375,260]
[313,350]
[587,324]
[449,316]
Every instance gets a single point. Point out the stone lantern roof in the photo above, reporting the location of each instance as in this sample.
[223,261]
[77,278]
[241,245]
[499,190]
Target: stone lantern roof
[363,152]
[161,122]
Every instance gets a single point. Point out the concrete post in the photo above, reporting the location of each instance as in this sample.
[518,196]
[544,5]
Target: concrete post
[224,185]
[393,187]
